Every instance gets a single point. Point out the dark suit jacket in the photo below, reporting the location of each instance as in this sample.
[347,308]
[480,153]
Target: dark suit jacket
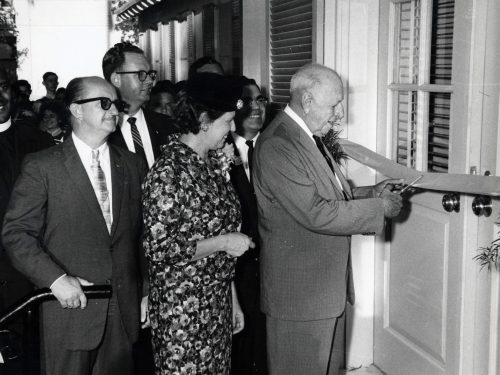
[159,126]
[305,225]
[17,141]
[54,225]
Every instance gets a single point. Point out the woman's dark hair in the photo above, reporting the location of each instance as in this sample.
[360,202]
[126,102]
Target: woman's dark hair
[202,61]
[187,113]
[54,106]
[164,86]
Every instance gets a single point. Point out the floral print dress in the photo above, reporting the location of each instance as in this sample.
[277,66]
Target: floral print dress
[185,200]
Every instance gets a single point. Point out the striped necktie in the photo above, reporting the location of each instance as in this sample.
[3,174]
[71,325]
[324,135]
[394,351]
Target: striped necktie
[139,148]
[101,190]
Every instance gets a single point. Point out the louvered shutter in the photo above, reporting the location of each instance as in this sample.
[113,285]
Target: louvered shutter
[237,37]
[291,25]
[415,88]
[440,73]
[190,38]
[171,26]
[208,30]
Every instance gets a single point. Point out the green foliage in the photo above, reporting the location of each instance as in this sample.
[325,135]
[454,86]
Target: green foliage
[489,255]
[331,142]
[128,28]
[9,32]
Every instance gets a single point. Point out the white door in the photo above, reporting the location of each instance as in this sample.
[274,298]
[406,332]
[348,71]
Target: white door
[432,57]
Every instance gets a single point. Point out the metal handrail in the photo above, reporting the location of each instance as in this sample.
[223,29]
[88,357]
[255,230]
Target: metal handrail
[45,294]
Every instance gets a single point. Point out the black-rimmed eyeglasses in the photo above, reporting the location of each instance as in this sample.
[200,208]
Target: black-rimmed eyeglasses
[142,74]
[260,100]
[105,103]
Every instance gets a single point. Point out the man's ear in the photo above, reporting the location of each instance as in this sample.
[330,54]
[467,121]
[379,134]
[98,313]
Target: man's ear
[76,110]
[115,80]
[307,99]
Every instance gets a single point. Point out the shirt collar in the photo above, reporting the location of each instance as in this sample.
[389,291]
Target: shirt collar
[6,125]
[139,115]
[240,141]
[295,117]
[84,150]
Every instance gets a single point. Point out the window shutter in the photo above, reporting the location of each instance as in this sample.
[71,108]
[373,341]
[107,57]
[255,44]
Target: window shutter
[171,26]
[291,24]
[208,30]
[415,88]
[443,15]
[237,37]
[190,38]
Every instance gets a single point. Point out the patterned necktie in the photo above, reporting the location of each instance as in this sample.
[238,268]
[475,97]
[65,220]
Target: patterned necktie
[100,188]
[250,160]
[321,148]
[139,148]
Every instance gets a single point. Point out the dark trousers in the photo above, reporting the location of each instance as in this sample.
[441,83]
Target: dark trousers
[248,355]
[112,356]
[303,347]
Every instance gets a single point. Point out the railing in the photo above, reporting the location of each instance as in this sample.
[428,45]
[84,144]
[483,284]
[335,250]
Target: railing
[20,355]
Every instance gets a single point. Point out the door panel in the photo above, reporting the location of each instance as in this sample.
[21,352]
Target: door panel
[416,324]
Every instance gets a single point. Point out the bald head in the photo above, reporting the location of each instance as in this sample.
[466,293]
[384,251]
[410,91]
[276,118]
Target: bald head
[316,92]
[92,118]
[312,77]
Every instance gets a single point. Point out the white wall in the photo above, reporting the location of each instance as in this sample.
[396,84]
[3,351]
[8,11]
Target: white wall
[255,41]
[68,37]
[351,48]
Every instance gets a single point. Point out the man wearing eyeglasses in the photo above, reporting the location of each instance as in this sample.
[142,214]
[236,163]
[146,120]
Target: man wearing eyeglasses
[249,346]
[74,219]
[140,130]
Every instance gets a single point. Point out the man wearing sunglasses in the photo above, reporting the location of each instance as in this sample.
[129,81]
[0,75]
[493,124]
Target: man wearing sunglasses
[140,130]
[74,220]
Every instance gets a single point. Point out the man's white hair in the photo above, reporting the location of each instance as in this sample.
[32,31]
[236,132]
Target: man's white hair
[308,77]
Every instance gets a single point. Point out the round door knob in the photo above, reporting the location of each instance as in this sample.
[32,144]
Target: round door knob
[451,202]
[481,205]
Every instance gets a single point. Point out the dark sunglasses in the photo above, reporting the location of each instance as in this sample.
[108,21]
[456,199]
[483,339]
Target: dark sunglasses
[142,74]
[260,100]
[105,103]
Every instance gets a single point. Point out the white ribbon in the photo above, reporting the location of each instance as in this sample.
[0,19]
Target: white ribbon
[463,183]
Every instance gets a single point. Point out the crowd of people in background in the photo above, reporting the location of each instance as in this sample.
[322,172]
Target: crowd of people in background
[227,249]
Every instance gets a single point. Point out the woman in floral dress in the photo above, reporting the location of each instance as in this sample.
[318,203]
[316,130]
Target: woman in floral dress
[192,218]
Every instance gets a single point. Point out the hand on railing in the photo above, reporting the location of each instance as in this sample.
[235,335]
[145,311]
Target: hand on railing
[93,291]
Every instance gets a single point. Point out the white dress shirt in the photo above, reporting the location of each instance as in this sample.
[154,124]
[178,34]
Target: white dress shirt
[242,147]
[85,153]
[295,117]
[142,127]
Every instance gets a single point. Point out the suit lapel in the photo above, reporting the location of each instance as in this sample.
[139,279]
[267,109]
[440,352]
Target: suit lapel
[340,175]
[153,133]
[80,178]
[116,137]
[117,185]
[319,160]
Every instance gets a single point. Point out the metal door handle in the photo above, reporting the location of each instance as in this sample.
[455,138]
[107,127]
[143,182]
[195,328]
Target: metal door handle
[451,202]
[481,205]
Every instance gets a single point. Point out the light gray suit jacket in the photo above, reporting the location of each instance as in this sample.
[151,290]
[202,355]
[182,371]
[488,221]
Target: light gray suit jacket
[305,225]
